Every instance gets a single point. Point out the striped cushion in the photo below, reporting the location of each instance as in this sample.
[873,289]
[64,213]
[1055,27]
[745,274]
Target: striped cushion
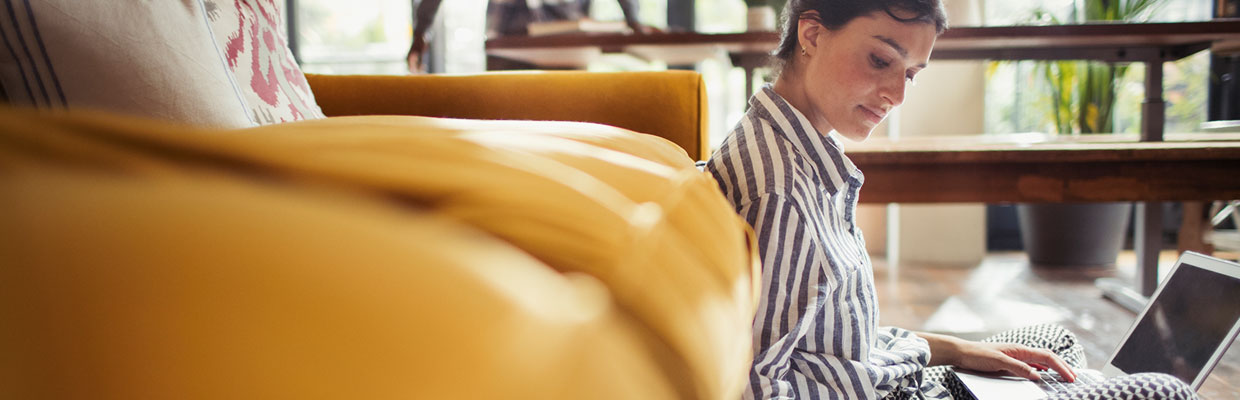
[155,59]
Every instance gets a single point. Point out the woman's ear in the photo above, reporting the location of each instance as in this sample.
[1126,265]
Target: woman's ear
[808,31]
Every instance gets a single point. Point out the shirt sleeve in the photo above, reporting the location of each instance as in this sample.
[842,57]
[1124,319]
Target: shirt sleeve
[907,355]
[795,288]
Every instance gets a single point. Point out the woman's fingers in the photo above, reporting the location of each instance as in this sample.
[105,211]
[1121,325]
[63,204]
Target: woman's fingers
[1043,358]
[1060,366]
[1019,368]
[1015,359]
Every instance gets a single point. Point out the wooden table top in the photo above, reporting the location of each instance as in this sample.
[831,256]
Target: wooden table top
[1040,148]
[1024,168]
[1045,42]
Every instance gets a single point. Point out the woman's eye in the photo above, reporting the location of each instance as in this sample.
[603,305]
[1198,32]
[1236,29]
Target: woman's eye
[878,62]
[909,78]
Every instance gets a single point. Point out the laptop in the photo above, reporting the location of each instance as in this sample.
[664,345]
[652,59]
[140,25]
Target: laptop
[1185,328]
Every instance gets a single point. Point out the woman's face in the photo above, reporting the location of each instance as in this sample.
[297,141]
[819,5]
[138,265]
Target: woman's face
[854,75]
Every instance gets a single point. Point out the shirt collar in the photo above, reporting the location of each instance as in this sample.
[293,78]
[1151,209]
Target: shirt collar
[823,150]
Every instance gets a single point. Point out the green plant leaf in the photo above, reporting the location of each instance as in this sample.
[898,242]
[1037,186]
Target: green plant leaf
[991,68]
[1082,94]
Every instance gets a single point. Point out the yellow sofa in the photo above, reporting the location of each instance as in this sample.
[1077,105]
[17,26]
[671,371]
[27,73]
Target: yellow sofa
[378,256]
[668,104]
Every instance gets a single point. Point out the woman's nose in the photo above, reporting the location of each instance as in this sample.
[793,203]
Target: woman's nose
[893,89]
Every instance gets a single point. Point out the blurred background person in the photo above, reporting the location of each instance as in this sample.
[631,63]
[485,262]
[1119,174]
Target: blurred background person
[512,18]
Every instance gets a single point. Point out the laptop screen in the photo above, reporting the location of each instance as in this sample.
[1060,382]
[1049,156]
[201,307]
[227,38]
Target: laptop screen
[1188,321]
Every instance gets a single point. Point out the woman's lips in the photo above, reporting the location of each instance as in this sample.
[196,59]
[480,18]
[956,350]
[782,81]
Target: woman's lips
[874,117]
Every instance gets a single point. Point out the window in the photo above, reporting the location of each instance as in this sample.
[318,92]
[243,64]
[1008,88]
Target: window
[725,85]
[461,31]
[1009,110]
[354,37]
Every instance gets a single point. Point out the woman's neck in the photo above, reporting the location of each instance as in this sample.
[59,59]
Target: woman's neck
[789,85]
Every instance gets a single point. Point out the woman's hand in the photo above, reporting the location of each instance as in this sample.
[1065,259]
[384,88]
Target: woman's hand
[643,29]
[1014,359]
[414,58]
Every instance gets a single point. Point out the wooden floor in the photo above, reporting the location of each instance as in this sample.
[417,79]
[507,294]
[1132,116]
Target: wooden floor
[1003,292]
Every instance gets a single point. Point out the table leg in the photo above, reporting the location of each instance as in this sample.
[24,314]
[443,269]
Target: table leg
[1153,110]
[1193,228]
[1149,215]
[748,82]
[749,62]
[1148,226]
[1148,242]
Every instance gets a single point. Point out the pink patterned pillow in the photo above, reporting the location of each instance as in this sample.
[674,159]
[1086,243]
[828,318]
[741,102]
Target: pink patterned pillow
[251,40]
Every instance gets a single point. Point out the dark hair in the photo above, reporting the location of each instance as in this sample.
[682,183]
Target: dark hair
[834,14]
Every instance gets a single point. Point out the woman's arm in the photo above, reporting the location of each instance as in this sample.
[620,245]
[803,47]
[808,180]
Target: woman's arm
[427,9]
[630,12]
[1015,359]
[944,350]
[630,17]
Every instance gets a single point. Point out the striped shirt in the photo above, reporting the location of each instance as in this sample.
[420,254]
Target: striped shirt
[816,332]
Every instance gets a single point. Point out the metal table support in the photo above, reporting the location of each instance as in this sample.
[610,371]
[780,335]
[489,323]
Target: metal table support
[1149,215]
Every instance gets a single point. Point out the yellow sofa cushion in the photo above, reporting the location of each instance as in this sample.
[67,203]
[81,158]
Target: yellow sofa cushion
[627,209]
[214,287]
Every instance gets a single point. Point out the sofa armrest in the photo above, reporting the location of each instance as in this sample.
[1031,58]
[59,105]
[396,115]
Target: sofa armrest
[669,104]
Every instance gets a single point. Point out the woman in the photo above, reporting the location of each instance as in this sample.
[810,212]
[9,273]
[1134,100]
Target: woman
[842,65]
[511,18]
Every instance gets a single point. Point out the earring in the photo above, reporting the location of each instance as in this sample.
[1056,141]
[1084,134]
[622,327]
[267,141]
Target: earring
[803,51]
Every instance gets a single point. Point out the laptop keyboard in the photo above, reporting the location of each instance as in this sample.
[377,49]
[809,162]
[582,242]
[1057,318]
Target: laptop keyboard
[1051,382]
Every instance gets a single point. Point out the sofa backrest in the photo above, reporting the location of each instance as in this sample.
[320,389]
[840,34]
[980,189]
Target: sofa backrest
[668,104]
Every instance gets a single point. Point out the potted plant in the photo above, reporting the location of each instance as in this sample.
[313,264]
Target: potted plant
[1082,100]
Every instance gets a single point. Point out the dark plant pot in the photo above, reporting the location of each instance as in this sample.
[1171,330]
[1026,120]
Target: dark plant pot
[1081,235]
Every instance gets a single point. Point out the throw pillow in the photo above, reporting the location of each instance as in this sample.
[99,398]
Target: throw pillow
[155,59]
[251,39]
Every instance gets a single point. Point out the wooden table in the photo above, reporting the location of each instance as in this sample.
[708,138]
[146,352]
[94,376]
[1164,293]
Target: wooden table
[1037,168]
[1148,43]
